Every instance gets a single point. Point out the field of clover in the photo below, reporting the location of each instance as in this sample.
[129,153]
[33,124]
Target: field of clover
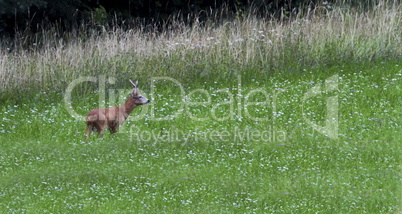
[179,155]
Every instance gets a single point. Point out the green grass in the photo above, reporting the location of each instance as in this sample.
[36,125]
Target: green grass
[237,98]
[46,166]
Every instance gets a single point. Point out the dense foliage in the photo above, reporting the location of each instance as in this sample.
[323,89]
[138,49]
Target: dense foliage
[34,15]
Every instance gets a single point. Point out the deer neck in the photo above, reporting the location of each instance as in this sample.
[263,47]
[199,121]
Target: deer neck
[128,106]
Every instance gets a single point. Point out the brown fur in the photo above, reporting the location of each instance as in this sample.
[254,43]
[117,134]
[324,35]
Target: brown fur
[111,118]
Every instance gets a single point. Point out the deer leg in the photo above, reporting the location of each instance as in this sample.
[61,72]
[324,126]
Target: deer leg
[114,129]
[100,132]
[100,127]
[88,132]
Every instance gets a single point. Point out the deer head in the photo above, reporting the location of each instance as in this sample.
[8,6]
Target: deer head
[136,96]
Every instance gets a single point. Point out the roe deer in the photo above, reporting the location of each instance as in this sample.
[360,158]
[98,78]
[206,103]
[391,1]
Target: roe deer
[111,118]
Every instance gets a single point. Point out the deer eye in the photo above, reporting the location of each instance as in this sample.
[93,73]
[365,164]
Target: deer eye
[139,97]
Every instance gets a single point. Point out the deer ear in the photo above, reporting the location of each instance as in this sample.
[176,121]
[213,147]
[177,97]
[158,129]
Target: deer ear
[134,84]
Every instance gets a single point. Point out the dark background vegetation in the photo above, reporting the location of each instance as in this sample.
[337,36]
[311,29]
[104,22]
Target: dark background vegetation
[37,15]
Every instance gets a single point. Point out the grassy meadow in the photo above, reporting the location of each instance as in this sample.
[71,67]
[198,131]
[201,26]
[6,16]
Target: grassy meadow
[247,115]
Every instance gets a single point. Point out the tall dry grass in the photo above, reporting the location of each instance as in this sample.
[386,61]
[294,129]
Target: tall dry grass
[322,35]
